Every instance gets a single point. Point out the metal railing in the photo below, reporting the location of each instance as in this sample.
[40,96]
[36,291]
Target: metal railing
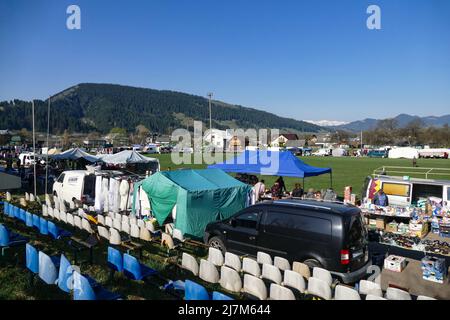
[427,172]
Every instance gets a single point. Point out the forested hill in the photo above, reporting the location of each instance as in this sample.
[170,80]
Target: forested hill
[100,107]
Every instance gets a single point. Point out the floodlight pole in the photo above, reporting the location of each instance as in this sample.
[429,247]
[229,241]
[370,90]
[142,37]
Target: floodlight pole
[46,157]
[34,148]
[210,94]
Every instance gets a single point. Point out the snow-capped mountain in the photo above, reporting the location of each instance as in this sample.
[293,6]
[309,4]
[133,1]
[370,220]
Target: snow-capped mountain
[327,123]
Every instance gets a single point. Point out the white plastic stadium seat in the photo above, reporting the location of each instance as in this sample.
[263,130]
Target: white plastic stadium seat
[425,298]
[50,211]
[178,234]
[56,214]
[345,293]
[150,226]
[397,294]
[372,297]
[86,226]
[323,274]
[103,232]
[126,219]
[125,227]
[144,234]
[278,292]
[77,222]
[141,223]
[271,273]
[188,262]
[255,287]
[44,210]
[133,220]
[281,263]
[263,258]
[70,219]
[134,231]
[215,256]
[108,222]
[117,224]
[369,287]
[114,237]
[230,279]
[208,272]
[294,280]
[319,288]
[63,216]
[301,269]
[101,219]
[233,261]
[250,266]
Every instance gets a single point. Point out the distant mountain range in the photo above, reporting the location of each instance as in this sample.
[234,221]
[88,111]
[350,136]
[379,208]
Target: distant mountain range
[402,121]
[327,123]
[99,107]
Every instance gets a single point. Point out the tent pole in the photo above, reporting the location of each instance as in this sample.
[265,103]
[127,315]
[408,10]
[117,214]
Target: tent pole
[304,189]
[331,180]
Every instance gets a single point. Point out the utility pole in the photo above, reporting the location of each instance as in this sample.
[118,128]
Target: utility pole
[46,157]
[34,149]
[210,94]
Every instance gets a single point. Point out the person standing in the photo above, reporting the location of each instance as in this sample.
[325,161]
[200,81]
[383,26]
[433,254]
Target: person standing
[282,185]
[259,189]
[381,199]
[297,192]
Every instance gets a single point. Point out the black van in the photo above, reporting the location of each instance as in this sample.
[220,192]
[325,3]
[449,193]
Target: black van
[323,234]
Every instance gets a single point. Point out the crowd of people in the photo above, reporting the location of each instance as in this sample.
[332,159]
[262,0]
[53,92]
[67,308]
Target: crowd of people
[279,191]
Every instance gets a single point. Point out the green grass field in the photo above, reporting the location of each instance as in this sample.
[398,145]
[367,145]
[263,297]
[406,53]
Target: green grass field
[347,171]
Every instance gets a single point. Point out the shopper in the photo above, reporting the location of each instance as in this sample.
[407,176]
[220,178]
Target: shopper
[381,199]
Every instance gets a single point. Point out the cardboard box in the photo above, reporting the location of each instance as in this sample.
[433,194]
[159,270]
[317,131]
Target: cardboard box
[372,223]
[418,229]
[395,263]
[392,227]
[380,224]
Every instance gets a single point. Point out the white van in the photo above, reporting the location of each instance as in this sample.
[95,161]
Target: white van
[28,159]
[403,191]
[75,184]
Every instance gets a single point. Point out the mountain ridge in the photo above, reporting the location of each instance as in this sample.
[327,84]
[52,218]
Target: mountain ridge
[87,107]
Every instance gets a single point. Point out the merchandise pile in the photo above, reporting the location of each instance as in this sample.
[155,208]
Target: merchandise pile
[415,243]
[434,269]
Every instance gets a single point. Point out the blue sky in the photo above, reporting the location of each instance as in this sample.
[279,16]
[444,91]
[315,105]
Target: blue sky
[303,59]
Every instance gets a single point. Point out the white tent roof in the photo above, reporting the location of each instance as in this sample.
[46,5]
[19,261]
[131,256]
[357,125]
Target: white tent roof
[75,154]
[127,156]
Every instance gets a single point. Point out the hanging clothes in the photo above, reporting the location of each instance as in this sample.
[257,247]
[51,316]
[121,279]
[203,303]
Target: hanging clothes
[124,189]
[145,203]
[114,196]
[98,205]
[105,194]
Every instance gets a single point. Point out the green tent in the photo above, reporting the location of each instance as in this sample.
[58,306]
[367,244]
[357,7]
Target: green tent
[201,196]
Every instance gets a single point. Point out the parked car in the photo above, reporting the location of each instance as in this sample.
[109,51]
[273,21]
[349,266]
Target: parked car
[323,234]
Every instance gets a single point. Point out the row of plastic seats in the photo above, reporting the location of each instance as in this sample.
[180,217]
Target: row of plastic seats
[115,238]
[373,291]
[230,279]
[129,265]
[57,270]
[10,239]
[195,291]
[42,225]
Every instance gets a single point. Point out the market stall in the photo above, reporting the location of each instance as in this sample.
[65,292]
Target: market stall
[194,198]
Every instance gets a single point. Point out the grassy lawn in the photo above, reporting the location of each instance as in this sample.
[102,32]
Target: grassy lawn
[347,171]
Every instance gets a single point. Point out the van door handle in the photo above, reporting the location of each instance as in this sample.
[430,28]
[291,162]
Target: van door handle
[252,238]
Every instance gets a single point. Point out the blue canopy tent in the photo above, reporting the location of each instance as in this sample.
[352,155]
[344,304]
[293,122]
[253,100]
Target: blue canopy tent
[271,163]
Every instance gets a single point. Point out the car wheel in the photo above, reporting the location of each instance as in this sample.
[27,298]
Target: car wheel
[312,263]
[216,242]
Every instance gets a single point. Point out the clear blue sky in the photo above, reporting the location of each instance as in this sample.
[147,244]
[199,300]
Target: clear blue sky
[303,59]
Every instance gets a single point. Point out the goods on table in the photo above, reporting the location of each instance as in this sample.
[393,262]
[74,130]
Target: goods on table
[434,269]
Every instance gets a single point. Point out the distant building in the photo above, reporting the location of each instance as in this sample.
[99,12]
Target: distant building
[283,139]
[217,138]
[94,143]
